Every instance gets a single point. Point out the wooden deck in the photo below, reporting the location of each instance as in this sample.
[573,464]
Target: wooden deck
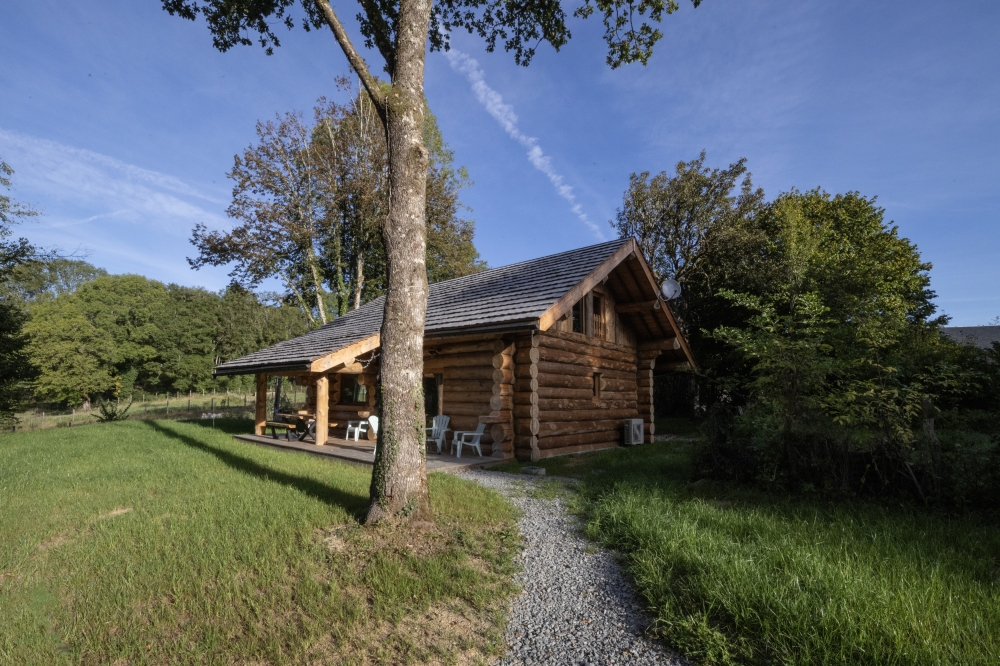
[363,452]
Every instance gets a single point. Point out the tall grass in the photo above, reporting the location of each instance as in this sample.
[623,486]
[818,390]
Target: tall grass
[737,576]
[168,542]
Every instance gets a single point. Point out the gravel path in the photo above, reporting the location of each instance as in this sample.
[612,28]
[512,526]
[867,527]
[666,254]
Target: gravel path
[576,607]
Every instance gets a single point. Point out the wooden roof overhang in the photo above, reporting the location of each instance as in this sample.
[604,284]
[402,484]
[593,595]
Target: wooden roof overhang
[627,275]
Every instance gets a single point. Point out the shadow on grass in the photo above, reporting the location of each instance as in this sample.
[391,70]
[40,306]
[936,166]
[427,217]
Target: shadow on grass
[354,504]
[229,425]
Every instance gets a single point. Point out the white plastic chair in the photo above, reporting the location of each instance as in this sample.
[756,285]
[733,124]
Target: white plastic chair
[468,438]
[436,432]
[358,427]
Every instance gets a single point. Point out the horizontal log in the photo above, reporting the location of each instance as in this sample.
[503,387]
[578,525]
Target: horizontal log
[438,340]
[527,341]
[525,398]
[526,370]
[445,349]
[527,355]
[557,428]
[620,385]
[563,392]
[482,397]
[526,426]
[466,409]
[523,384]
[483,372]
[548,367]
[459,385]
[526,411]
[501,431]
[573,358]
[585,350]
[584,416]
[640,307]
[525,442]
[551,404]
[502,389]
[460,360]
[550,380]
[499,402]
[608,346]
[604,436]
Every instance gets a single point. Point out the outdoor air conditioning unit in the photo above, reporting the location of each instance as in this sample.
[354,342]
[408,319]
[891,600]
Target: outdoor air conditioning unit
[633,432]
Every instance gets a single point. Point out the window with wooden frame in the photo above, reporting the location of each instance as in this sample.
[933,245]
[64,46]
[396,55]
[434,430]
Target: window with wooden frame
[352,390]
[578,317]
[598,317]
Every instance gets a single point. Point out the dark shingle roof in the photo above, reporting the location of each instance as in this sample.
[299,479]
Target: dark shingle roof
[507,297]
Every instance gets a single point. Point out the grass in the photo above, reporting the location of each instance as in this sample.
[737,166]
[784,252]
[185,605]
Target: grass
[149,542]
[738,576]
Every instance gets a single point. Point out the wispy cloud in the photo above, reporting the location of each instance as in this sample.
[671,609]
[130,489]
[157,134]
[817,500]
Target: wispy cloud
[127,218]
[504,114]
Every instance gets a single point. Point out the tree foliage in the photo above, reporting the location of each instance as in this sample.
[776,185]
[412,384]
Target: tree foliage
[815,330]
[119,332]
[310,199]
[15,364]
[630,32]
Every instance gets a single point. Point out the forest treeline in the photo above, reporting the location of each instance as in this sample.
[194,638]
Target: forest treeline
[821,362]
[307,202]
[93,335]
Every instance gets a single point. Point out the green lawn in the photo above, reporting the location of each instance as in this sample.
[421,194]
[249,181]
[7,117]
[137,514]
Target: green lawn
[738,576]
[168,542]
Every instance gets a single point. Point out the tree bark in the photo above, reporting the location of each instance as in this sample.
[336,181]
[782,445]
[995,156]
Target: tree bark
[399,476]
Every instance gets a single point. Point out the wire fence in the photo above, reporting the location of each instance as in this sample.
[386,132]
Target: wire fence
[147,407]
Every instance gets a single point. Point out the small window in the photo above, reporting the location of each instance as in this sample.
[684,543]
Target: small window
[352,392]
[598,317]
[598,379]
[578,317]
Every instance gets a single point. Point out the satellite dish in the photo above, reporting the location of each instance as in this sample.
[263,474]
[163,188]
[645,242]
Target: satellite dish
[670,289]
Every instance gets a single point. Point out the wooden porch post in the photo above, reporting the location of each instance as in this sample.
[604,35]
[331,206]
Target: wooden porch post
[322,409]
[260,416]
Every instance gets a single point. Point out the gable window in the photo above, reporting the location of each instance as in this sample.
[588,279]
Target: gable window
[352,392]
[598,317]
[578,317]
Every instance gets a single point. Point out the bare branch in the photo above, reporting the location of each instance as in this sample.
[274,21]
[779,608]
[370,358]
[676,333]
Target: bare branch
[353,57]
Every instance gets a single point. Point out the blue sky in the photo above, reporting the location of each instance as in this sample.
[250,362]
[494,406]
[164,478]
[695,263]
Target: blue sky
[121,122]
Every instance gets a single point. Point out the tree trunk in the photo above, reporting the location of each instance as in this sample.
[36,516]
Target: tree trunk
[399,477]
[359,279]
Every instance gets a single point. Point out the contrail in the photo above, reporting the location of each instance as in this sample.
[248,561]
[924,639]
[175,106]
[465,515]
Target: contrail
[504,114]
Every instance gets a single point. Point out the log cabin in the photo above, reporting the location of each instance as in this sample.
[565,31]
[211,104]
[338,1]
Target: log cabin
[555,355]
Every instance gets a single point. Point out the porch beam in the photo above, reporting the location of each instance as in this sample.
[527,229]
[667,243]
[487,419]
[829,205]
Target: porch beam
[322,409]
[345,355]
[260,404]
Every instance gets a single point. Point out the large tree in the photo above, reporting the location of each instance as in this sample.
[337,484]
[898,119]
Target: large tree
[15,364]
[399,31]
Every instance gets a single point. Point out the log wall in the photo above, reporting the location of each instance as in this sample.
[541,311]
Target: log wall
[557,408]
[477,381]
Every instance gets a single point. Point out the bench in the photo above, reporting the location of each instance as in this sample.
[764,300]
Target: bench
[274,425]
